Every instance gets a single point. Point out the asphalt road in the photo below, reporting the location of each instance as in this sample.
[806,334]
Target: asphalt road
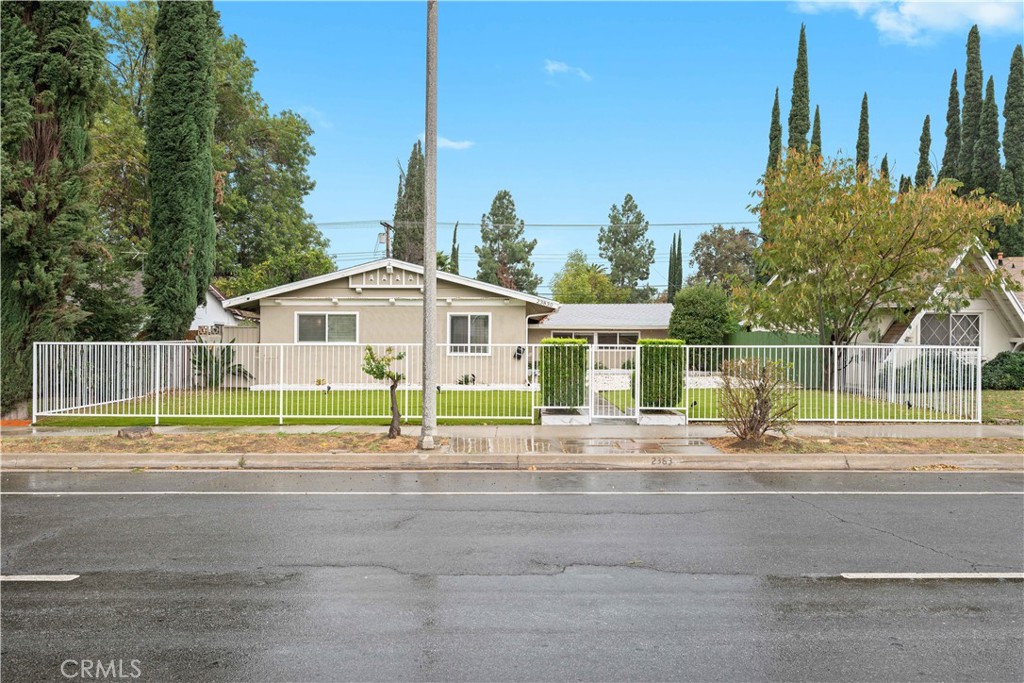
[512,576]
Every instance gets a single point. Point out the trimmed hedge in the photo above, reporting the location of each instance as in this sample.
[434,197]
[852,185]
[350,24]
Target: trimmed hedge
[1005,371]
[563,372]
[662,372]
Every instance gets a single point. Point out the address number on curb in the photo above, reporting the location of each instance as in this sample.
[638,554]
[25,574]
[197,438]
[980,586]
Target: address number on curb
[661,461]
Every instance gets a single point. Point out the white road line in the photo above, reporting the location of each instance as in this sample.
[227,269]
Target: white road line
[513,493]
[911,576]
[38,577]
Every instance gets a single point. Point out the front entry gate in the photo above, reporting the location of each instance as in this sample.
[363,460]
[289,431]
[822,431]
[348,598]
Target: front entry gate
[611,386]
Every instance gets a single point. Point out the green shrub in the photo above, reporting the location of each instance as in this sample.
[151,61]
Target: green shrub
[563,372]
[1005,371]
[701,314]
[662,372]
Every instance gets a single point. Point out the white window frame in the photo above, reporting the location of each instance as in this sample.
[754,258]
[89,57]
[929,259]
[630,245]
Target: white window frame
[591,337]
[980,315]
[618,338]
[325,314]
[468,344]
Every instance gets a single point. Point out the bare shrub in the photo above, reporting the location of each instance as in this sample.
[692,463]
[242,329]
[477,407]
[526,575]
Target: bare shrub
[757,398]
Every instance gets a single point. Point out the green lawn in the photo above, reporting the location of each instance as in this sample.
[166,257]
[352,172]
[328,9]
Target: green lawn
[1002,406]
[306,407]
[812,404]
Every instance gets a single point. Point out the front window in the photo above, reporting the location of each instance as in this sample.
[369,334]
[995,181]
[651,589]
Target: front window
[617,338]
[957,329]
[469,333]
[327,328]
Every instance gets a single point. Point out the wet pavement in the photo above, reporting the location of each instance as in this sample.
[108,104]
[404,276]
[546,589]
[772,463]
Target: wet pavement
[513,576]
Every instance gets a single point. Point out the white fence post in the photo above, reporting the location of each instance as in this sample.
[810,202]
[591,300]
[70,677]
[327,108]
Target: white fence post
[35,378]
[978,384]
[280,384]
[156,385]
[686,381]
[835,384]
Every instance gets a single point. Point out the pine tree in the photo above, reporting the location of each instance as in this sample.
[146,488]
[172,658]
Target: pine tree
[883,169]
[775,135]
[816,133]
[455,250]
[408,243]
[52,62]
[923,178]
[180,142]
[863,136]
[970,119]
[503,257]
[986,170]
[626,247]
[1013,130]
[951,156]
[800,104]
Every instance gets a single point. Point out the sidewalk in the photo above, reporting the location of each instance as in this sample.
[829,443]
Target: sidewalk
[597,431]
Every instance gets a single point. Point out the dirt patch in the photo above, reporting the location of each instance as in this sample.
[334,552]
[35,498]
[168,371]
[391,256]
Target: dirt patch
[340,442]
[775,444]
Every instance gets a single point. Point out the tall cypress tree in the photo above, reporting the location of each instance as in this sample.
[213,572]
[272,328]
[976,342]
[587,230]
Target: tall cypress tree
[1013,130]
[816,132]
[863,136]
[800,104]
[923,178]
[970,119]
[179,140]
[775,135]
[679,261]
[883,169]
[1008,237]
[905,184]
[672,269]
[986,170]
[455,250]
[951,155]
[52,64]
[408,244]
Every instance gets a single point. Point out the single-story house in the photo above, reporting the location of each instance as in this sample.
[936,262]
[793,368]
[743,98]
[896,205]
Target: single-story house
[605,324]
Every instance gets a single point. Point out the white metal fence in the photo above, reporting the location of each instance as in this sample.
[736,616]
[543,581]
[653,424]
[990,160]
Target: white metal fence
[496,382]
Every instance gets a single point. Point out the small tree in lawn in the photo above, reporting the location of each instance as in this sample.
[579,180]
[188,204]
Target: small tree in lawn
[379,368]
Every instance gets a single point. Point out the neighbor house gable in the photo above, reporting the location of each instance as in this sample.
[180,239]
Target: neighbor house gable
[389,274]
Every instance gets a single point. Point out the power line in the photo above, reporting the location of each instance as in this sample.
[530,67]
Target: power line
[354,225]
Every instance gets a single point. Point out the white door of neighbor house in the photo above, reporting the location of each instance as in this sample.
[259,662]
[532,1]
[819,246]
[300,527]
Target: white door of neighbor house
[612,389]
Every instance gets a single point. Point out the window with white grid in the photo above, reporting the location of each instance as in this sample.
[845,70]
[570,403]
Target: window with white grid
[957,329]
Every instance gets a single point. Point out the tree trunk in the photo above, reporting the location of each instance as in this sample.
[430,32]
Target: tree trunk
[395,430]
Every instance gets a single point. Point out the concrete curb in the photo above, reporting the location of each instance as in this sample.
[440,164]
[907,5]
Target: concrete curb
[1011,462]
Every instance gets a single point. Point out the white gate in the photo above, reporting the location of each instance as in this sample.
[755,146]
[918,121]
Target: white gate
[611,385]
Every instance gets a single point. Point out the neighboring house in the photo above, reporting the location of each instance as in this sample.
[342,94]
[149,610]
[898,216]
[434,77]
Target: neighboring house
[993,321]
[381,302]
[213,316]
[605,324]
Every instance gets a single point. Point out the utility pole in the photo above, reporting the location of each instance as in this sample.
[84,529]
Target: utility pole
[430,239]
[387,238]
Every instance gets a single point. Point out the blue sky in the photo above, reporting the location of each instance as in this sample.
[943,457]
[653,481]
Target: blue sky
[572,105]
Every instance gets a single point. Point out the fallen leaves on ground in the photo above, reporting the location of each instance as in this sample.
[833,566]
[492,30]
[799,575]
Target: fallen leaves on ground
[774,444]
[335,442]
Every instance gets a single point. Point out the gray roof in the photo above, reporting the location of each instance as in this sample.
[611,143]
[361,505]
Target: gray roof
[608,317]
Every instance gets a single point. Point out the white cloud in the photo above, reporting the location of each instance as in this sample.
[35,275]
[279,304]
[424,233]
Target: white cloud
[445,143]
[916,22]
[552,67]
